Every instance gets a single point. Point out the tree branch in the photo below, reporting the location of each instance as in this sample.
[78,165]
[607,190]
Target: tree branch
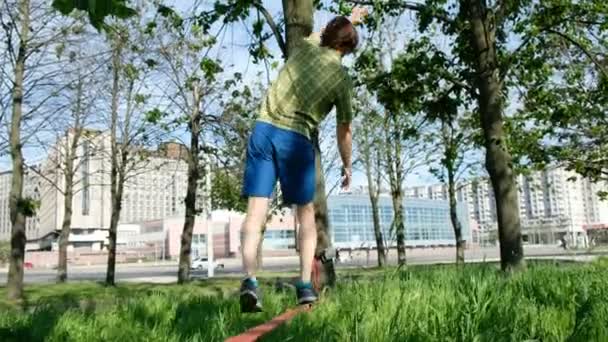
[583,50]
[443,16]
[273,27]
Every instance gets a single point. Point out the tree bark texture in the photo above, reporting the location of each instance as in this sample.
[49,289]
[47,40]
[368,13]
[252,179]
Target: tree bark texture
[395,174]
[115,172]
[183,273]
[62,263]
[498,159]
[14,285]
[460,243]
[71,149]
[374,193]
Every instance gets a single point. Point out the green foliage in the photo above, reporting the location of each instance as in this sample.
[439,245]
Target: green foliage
[97,10]
[5,251]
[226,192]
[171,15]
[550,56]
[155,115]
[565,87]
[210,68]
[28,206]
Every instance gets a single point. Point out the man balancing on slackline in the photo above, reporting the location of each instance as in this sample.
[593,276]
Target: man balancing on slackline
[308,86]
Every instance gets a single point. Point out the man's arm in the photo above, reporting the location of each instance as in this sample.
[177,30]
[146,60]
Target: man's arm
[345,143]
[344,134]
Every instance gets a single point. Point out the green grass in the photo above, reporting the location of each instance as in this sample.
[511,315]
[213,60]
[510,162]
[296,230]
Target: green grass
[547,302]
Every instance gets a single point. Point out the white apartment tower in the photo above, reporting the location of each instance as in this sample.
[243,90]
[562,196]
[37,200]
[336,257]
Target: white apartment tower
[155,188]
[553,203]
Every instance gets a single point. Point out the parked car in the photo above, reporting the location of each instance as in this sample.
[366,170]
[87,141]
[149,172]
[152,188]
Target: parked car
[201,264]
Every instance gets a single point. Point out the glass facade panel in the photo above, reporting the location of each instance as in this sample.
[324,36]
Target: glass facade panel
[427,222]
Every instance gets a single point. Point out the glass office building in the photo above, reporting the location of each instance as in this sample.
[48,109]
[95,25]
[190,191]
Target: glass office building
[427,222]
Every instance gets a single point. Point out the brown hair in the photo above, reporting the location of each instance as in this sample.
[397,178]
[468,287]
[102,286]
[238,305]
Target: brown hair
[341,34]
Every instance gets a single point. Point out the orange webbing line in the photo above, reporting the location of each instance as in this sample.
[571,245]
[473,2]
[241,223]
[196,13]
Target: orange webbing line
[255,333]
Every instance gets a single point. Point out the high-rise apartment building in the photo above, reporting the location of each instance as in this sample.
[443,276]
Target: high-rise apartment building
[553,203]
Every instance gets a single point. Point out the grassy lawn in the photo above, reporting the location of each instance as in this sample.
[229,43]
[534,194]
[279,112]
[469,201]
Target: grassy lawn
[547,302]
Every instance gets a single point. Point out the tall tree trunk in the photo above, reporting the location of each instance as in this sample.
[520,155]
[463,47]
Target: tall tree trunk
[298,16]
[373,198]
[374,192]
[116,194]
[183,272]
[320,203]
[498,159]
[14,283]
[115,168]
[395,173]
[70,157]
[398,223]
[62,264]
[454,218]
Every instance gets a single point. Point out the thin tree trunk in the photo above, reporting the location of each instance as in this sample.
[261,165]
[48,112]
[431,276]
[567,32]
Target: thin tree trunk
[70,157]
[14,283]
[374,191]
[116,207]
[183,272]
[298,16]
[378,231]
[320,204]
[62,264]
[399,225]
[498,160]
[454,218]
[114,172]
[393,161]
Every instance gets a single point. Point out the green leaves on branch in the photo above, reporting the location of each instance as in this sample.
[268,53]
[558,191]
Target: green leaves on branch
[28,206]
[155,115]
[420,78]
[210,68]
[564,87]
[171,15]
[131,72]
[225,192]
[98,10]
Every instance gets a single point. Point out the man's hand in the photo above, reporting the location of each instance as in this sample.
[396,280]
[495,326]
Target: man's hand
[358,14]
[347,175]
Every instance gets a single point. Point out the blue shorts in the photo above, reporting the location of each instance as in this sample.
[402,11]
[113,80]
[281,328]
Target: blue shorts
[272,153]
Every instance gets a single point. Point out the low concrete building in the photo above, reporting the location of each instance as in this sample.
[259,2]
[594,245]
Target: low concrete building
[163,237]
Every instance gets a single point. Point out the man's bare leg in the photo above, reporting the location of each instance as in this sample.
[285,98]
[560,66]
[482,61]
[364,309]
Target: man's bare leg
[308,240]
[251,233]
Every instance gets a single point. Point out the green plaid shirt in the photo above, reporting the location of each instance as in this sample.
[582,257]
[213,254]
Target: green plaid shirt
[309,85]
